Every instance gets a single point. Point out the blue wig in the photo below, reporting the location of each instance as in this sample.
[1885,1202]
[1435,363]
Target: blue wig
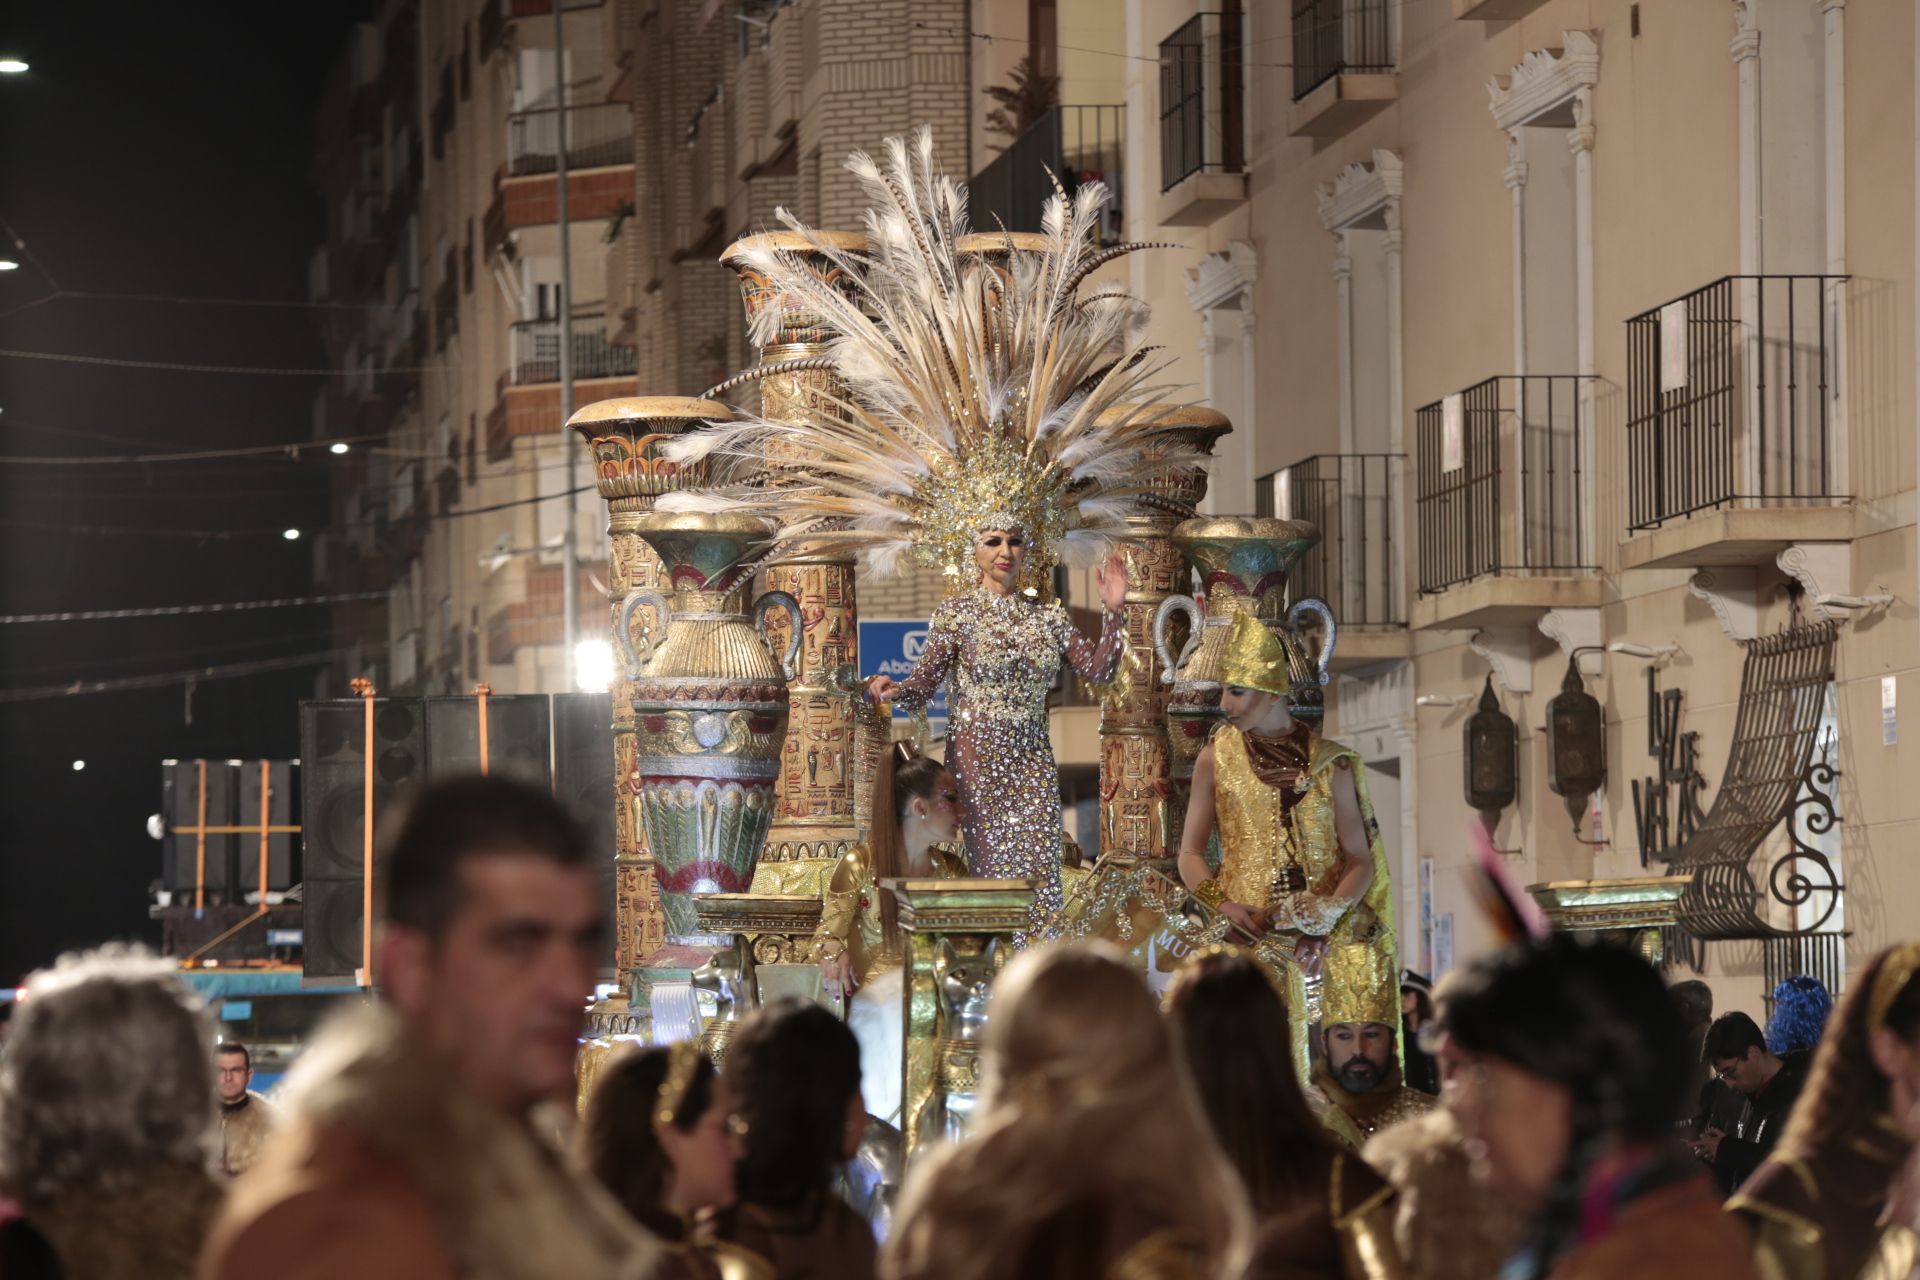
[1800,1008]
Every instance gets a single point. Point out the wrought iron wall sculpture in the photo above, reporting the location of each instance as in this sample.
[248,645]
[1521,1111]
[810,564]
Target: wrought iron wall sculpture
[1677,764]
[1771,762]
[1804,877]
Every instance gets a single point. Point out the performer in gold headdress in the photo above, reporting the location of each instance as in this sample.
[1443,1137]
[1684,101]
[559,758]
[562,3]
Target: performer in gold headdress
[1300,850]
[986,420]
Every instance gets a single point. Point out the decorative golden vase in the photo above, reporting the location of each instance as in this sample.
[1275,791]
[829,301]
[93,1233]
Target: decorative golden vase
[710,709]
[1243,565]
[624,437]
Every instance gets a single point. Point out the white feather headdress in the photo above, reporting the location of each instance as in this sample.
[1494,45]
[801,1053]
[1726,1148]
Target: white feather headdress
[968,394]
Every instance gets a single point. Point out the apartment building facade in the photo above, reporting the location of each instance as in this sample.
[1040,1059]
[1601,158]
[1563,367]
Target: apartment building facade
[1585,331]
[441,275]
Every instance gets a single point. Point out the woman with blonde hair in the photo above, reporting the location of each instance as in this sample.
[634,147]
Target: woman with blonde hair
[858,944]
[1090,1156]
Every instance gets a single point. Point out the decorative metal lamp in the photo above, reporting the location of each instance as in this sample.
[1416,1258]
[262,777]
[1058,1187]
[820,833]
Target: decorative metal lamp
[1492,754]
[1576,744]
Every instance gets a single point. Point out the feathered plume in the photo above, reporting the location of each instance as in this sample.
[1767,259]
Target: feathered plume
[967,394]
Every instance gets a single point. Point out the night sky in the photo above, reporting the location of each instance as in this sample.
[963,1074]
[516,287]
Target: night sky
[152,149]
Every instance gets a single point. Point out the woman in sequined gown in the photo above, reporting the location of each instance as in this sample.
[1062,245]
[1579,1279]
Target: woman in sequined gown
[999,651]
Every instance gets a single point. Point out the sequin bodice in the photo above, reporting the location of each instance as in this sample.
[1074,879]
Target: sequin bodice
[1000,655]
[1257,843]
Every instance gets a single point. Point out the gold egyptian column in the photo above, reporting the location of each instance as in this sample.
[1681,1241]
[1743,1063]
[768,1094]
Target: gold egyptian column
[1140,809]
[624,436]
[814,813]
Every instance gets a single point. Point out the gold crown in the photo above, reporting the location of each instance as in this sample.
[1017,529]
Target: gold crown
[1255,658]
[1360,983]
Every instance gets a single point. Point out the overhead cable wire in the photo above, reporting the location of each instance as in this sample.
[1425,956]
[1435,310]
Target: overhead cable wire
[314,530]
[203,300]
[117,362]
[176,610]
[162,680]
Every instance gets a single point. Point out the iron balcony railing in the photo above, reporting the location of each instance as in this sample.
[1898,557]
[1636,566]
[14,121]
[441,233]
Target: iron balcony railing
[1331,37]
[1203,113]
[1354,500]
[536,351]
[1499,480]
[1075,145]
[497,15]
[598,134]
[1732,398]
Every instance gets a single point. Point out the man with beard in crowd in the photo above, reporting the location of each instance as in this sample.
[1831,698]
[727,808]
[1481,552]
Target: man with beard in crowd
[246,1118]
[1359,1072]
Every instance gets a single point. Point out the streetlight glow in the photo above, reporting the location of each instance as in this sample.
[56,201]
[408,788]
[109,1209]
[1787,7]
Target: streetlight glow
[8,264]
[593,665]
[12,66]
[291,535]
[78,765]
[338,447]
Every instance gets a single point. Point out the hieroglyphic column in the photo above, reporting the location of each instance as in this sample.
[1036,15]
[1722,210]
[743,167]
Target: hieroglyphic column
[814,814]
[1139,808]
[624,436]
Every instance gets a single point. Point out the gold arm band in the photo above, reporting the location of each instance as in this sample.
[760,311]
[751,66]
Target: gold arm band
[1210,892]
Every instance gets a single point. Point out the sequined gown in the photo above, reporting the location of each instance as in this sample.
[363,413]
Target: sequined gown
[999,655]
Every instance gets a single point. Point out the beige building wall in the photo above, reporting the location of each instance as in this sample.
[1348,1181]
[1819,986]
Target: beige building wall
[1672,209]
[470,477]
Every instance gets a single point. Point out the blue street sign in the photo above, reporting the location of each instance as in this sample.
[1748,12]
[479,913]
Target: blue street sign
[892,647]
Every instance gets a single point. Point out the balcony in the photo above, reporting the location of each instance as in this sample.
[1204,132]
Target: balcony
[533,200]
[1074,144]
[1203,120]
[1494,10]
[526,398]
[497,16]
[1357,567]
[598,135]
[1735,440]
[1343,65]
[536,351]
[1502,505]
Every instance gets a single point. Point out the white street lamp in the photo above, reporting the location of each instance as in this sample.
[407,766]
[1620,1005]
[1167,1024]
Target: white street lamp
[593,665]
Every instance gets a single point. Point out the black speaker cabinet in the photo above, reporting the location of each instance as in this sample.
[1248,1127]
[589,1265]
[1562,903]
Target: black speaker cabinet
[196,858]
[583,780]
[519,737]
[333,760]
[276,806]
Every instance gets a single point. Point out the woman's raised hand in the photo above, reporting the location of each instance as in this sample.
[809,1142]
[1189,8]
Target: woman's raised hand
[1112,581]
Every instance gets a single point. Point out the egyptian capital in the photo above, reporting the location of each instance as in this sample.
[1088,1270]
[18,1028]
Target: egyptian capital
[960,640]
